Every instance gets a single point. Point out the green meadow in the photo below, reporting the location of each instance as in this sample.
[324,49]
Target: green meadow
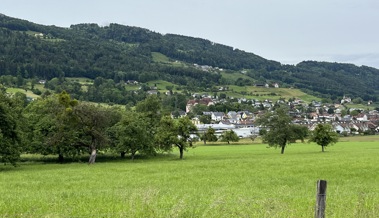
[160,84]
[246,179]
[26,92]
[163,59]
[262,93]
[81,80]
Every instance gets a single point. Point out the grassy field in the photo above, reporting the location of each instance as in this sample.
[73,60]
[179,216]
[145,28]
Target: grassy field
[84,82]
[242,180]
[81,80]
[42,37]
[41,87]
[28,93]
[265,93]
[362,106]
[234,76]
[249,92]
[160,84]
[161,58]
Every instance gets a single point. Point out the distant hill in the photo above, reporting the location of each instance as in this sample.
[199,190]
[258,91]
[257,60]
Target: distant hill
[121,52]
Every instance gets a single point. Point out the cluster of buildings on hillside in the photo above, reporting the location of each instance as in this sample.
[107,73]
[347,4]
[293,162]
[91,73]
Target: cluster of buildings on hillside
[208,100]
[243,122]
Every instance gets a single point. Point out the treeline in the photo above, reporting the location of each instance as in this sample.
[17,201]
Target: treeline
[62,126]
[336,79]
[87,50]
[205,52]
[125,53]
[100,90]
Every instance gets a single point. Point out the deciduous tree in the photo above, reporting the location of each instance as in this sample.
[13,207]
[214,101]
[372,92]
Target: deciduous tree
[229,136]
[131,135]
[209,135]
[92,124]
[52,127]
[175,133]
[10,142]
[301,132]
[280,130]
[151,107]
[324,135]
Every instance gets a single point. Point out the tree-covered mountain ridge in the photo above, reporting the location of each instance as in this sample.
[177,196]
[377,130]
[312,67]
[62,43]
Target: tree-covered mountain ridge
[124,53]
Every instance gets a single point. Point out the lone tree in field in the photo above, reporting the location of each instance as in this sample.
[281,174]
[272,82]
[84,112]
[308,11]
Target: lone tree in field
[229,136]
[209,135]
[324,135]
[302,132]
[280,130]
[175,133]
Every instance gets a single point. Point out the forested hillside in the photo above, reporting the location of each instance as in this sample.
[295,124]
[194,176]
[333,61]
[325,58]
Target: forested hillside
[124,53]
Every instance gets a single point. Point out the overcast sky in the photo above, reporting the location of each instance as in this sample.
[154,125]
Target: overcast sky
[288,31]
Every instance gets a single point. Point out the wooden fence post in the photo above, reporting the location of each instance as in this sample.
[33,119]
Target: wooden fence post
[320,199]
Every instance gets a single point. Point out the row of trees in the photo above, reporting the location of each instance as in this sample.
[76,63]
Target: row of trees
[279,131]
[227,136]
[62,126]
[10,136]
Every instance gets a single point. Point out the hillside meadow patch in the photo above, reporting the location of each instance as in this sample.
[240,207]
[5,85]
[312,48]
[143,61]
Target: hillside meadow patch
[238,180]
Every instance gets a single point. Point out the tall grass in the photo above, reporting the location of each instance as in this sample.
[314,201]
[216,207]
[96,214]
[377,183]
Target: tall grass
[212,181]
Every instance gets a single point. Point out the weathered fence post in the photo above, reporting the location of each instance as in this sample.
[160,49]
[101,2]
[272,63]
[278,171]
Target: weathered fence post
[320,199]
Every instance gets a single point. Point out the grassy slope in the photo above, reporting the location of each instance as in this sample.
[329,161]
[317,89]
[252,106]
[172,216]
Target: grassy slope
[212,181]
[234,76]
[163,59]
[28,93]
[81,80]
[264,93]
[33,33]
[161,85]
[159,57]
[362,106]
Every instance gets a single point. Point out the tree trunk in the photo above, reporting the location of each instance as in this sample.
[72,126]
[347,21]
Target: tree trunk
[283,146]
[92,158]
[322,148]
[60,158]
[133,153]
[228,142]
[205,142]
[123,154]
[181,152]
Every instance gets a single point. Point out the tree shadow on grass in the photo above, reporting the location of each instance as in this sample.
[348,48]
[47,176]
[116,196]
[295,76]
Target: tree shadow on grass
[100,158]
[6,168]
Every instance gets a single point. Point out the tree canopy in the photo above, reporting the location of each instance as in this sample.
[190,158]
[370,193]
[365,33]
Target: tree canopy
[10,140]
[280,130]
[175,133]
[121,53]
[229,136]
[131,135]
[209,136]
[324,135]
